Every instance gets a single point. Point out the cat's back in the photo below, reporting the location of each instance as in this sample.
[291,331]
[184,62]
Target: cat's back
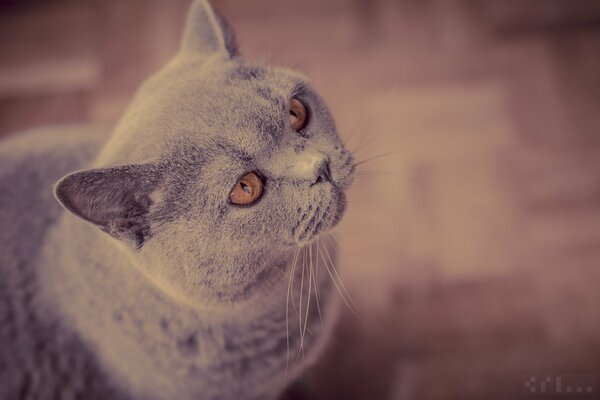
[31,348]
[30,163]
[48,152]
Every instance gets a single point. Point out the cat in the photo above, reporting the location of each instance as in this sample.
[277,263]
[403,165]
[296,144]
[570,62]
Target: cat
[190,257]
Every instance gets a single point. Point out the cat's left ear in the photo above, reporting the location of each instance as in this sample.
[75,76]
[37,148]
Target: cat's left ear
[207,33]
[117,199]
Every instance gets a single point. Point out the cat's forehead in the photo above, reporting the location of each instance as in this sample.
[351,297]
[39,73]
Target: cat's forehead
[233,76]
[241,102]
[255,87]
[242,105]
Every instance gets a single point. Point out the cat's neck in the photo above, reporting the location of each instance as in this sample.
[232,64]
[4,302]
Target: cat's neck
[95,264]
[131,322]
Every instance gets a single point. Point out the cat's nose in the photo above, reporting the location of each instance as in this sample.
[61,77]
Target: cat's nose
[323,172]
[309,166]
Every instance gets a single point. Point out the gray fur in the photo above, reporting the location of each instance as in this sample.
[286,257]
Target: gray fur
[186,296]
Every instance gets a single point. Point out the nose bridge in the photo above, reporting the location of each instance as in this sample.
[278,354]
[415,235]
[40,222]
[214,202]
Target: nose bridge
[302,165]
[310,161]
[306,164]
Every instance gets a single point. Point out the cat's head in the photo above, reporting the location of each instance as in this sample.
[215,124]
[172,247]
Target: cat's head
[218,171]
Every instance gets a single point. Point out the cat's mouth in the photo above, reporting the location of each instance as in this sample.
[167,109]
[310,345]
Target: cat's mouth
[319,218]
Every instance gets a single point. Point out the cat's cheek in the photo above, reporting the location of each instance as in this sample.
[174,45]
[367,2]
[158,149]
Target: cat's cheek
[340,203]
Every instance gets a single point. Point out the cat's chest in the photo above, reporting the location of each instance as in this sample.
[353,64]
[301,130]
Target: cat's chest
[153,349]
[163,355]
[231,358]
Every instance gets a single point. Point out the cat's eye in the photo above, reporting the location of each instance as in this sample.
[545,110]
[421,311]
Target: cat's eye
[247,190]
[298,115]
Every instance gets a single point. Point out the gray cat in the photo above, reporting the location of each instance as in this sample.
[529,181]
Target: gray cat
[192,261]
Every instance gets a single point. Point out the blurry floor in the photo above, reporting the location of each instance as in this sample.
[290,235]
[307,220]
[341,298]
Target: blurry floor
[473,251]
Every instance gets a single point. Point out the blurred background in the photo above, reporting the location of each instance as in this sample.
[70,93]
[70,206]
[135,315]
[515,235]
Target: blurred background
[472,247]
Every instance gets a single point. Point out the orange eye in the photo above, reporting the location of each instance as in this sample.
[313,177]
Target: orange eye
[247,190]
[298,115]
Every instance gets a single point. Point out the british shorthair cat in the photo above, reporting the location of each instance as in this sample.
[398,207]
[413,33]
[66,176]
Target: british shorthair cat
[191,261]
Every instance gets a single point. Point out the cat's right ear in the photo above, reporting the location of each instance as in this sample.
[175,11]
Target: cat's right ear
[117,200]
[207,33]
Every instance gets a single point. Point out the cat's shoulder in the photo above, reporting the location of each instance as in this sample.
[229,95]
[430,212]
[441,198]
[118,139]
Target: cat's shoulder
[71,144]
[30,163]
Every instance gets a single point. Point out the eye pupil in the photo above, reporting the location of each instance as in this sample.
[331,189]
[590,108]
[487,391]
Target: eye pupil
[247,190]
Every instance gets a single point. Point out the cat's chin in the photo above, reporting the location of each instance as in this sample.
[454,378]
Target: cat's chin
[324,218]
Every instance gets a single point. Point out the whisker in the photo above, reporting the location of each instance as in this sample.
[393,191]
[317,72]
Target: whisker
[334,236]
[293,278]
[346,141]
[287,316]
[310,271]
[366,147]
[379,173]
[383,141]
[338,287]
[301,348]
[301,293]
[360,146]
[339,278]
[375,143]
[378,156]
[316,277]
[292,65]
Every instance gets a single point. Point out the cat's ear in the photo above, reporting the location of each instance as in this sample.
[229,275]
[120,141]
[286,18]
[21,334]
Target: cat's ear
[116,199]
[207,33]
